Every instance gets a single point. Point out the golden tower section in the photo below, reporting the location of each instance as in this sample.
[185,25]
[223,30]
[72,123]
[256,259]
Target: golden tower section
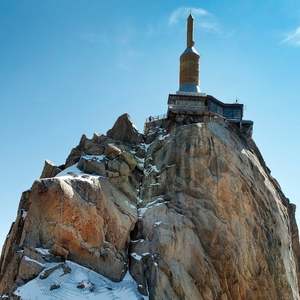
[189,64]
[189,69]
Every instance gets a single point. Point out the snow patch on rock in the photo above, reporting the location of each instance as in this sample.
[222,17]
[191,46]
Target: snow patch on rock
[77,285]
[72,170]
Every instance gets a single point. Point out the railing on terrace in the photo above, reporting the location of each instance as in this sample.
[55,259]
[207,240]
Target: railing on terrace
[156,118]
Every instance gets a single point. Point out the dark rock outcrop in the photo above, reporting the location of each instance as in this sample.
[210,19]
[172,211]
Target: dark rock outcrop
[50,170]
[125,131]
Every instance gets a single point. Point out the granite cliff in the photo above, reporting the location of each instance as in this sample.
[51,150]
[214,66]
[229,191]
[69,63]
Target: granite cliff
[190,210]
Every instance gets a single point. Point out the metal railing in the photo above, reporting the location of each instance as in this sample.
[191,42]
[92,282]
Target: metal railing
[156,118]
[198,108]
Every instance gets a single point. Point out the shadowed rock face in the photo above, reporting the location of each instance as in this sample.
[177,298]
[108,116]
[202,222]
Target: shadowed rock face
[124,131]
[194,214]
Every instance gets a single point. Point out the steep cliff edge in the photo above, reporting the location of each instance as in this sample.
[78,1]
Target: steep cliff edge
[191,210]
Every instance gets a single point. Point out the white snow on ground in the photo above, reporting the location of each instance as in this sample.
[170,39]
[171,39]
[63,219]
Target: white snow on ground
[43,251]
[162,137]
[141,162]
[136,256]
[157,223]
[157,202]
[72,170]
[150,169]
[34,261]
[93,286]
[94,157]
[137,241]
[145,146]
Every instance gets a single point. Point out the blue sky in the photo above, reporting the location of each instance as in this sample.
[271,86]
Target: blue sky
[72,67]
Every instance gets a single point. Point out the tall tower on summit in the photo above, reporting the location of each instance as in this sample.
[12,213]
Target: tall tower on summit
[189,64]
[189,105]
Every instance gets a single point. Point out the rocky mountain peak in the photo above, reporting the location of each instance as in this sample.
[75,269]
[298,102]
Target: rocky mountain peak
[125,131]
[185,211]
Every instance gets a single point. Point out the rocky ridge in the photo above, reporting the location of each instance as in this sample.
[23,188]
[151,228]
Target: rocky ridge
[190,209]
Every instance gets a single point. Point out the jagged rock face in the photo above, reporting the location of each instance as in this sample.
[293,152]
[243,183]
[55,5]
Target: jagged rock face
[124,131]
[49,170]
[215,226]
[79,215]
[85,219]
[194,214]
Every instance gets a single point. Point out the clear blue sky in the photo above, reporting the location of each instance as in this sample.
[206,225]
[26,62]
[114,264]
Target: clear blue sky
[72,67]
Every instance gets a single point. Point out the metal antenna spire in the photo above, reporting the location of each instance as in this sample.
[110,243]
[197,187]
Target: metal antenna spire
[190,31]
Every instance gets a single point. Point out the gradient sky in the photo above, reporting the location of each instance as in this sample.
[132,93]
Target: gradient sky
[72,67]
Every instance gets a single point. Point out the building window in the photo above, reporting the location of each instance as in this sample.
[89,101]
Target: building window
[232,113]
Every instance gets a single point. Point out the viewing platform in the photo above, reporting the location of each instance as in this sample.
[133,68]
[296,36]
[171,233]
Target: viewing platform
[194,104]
[193,108]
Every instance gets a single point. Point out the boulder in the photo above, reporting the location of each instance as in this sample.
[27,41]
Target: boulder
[34,255]
[46,273]
[58,250]
[125,131]
[28,269]
[91,146]
[112,151]
[86,219]
[124,184]
[119,166]
[92,166]
[129,159]
[94,146]
[54,286]
[111,174]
